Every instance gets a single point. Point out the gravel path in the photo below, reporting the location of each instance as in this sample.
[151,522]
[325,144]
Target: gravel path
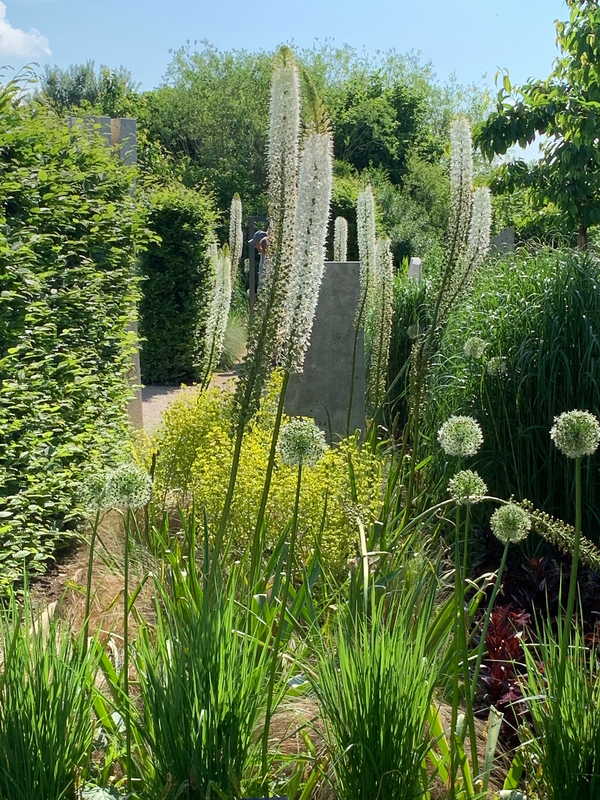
[155,399]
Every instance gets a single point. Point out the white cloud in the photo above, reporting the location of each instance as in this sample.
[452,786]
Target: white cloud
[17,43]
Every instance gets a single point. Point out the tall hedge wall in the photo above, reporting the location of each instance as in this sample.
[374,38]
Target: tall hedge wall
[176,284]
[68,236]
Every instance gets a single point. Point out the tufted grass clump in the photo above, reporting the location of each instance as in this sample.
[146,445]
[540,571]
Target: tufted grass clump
[46,723]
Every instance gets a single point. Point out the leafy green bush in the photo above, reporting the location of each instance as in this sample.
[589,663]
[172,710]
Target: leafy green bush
[540,315]
[194,459]
[69,231]
[176,286]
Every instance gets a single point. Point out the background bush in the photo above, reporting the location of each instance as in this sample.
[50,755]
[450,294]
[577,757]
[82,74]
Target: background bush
[176,286]
[541,312]
[69,229]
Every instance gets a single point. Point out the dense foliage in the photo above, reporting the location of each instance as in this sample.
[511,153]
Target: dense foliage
[68,240]
[564,108]
[540,313]
[176,288]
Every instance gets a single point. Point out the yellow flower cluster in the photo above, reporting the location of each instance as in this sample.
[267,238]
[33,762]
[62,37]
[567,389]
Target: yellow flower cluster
[194,459]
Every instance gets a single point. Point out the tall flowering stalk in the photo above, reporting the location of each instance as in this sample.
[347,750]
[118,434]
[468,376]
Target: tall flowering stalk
[468,242]
[340,239]
[269,313]
[218,312]
[367,250]
[236,235]
[312,218]
[381,315]
[367,238]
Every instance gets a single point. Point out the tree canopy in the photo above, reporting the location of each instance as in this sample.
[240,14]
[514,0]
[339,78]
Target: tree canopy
[565,110]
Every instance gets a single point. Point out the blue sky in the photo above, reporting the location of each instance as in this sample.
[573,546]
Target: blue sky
[470,38]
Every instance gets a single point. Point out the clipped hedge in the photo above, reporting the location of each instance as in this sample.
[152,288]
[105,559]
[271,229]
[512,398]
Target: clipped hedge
[69,230]
[176,286]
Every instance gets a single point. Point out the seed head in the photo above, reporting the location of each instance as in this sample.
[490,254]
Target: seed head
[127,486]
[497,366]
[301,443]
[467,487]
[460,436]
[510,523]
[475,348]
[576,433]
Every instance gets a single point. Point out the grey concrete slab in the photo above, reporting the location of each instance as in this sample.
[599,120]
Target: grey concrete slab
[323,390]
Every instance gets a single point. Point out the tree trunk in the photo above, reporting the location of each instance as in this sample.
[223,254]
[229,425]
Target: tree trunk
[582,237]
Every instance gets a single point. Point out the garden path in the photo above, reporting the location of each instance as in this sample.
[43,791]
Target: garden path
[156,399]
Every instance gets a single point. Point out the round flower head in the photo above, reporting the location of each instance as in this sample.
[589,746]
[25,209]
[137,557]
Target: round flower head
[127,486]
[510,523]
[467,487]
[475,348]
[497,366]
[301,442]
[460,436]
[93,492]
[576,433]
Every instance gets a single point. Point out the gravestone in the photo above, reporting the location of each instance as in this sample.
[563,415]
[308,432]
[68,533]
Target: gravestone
[121,134]
[415,269]
[335,362]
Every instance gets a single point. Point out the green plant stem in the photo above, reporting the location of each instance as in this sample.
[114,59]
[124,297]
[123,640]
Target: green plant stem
[280,626]
[88,585]
[469,695]
[357,328]
[486,620]
[258,538]
[127,708]
[568,619]
[458,591]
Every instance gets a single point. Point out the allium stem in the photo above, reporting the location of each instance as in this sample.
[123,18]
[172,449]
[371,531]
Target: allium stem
[127,706]
[88,586]
[567,622]
[280,626]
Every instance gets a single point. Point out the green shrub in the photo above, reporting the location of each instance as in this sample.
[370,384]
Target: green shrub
[177,277]
[69,229]
[194,459]
[539,312]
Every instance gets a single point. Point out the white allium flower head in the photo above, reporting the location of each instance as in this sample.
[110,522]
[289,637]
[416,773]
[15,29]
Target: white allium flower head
[576,433]
[340,239]
[127,486]
[93,492]
[312,219]
[475,348]
[301,442]
[497,366]
[467,487]
[510,523]
[460,436]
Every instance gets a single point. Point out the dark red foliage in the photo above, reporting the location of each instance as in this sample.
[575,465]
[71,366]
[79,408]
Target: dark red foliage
[504,659]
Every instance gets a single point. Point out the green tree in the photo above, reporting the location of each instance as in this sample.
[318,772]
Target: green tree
[565,109]
[112,92]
